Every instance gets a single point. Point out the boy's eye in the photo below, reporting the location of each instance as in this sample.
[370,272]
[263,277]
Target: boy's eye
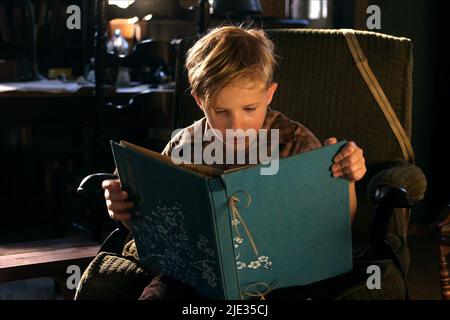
[220,111]
[249,109]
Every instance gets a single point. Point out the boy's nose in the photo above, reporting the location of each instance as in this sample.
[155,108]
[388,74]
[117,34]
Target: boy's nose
[236,122]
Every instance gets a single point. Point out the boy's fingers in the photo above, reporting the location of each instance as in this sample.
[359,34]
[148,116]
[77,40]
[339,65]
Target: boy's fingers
[111,184]
[348,170]
[116,195]
[356,175]
[120,215]
[329,141]
[354,159]
[119,206]
[347,150]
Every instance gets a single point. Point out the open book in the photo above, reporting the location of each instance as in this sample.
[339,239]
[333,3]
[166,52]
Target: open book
[238,234]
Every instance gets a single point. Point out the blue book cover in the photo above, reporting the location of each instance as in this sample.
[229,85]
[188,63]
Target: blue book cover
[238,234]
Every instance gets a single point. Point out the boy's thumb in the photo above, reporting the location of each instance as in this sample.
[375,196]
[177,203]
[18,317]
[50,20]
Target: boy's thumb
[329,141]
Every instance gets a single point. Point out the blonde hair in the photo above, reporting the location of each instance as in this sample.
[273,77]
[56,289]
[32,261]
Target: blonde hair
[226,55]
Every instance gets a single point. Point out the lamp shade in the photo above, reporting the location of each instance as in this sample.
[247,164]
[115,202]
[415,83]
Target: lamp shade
[237,7]
[159,9]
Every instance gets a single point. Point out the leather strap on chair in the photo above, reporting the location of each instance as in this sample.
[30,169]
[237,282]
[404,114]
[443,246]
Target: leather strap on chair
[378,93]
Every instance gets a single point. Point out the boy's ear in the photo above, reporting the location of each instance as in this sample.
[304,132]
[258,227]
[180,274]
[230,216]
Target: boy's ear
[198,100]
[272,88]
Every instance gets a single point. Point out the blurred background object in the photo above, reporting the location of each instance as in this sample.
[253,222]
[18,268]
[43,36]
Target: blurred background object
[17,41]
[236,7]
[117,44]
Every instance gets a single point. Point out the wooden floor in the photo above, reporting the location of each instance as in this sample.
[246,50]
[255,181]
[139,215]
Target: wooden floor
[31,289]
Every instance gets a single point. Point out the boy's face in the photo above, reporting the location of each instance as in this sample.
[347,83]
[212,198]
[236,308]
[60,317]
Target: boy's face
[241,105]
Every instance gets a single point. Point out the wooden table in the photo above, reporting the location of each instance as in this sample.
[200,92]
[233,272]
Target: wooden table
[31,109]
[45,258]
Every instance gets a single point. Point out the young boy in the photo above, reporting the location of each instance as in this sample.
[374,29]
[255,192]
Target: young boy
[230,71]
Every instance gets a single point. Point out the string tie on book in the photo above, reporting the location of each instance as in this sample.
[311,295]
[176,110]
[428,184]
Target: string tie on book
[266,289]
[232,202]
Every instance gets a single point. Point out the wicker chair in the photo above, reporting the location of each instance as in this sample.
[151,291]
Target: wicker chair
[320,86]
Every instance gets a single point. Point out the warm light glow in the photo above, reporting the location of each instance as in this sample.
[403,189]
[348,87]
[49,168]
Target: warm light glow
[318,9]
[314,9]
[124,26]
[133,20]
[148,17]
[121,3]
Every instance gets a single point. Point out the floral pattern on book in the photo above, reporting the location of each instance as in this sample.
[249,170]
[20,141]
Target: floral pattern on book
[188,256]
[260,262]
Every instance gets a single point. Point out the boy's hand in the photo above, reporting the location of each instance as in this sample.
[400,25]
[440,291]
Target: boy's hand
[116,201]
[349,163]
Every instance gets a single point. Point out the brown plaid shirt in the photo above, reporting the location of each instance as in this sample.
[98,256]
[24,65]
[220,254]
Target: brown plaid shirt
[294,137]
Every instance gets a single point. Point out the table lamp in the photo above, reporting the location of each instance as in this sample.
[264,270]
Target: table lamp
[104,11]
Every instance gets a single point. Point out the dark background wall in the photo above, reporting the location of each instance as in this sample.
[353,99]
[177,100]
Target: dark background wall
[414,19]
[440,63]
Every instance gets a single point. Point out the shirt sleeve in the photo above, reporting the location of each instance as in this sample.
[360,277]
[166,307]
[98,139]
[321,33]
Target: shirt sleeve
[295,138]
[305,139]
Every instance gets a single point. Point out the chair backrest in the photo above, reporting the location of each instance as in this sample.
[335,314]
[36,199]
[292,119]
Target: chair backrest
[321,87]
